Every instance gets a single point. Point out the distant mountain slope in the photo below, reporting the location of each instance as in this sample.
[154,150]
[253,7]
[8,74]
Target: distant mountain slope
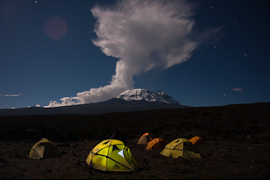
[138,100]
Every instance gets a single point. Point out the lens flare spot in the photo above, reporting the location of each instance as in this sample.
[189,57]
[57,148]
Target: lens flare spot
[56,28]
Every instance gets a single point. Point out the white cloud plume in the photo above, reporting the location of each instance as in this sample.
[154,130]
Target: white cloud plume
[143,35]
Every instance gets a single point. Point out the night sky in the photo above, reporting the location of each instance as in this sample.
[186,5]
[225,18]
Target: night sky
[50,49]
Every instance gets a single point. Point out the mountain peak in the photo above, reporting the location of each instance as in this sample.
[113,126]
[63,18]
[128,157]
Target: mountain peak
[146,95]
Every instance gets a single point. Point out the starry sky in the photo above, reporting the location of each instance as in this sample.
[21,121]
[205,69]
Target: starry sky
[49,50]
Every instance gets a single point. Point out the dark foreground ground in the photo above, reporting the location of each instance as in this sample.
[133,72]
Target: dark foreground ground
[237,143]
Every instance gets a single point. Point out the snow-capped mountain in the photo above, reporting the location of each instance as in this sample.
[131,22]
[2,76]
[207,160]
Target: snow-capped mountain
[127,101]
[146,95]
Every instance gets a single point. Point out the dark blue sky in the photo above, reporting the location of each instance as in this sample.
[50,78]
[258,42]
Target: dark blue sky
[231,68]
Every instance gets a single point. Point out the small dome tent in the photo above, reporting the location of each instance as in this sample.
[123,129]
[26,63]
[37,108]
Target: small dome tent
[156,143]
[111,155]
[144,139]
[44,149]
[196,140]
[180,147]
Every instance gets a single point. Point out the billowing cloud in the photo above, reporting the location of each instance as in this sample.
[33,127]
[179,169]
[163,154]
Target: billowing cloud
[143,35]
[238,89]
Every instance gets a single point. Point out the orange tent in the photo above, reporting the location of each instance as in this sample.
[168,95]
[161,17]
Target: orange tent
[145,138]
[196,140]
[156,143]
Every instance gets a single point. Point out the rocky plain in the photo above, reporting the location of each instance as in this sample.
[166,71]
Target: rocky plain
[237,143]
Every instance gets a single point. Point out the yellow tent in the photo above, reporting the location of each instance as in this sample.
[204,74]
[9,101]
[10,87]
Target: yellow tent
[180,147]
[44,149]
[111,155]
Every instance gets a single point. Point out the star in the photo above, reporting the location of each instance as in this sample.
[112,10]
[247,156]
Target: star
[35,2]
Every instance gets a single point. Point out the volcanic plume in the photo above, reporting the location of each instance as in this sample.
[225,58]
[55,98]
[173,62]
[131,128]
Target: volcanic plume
[142,35]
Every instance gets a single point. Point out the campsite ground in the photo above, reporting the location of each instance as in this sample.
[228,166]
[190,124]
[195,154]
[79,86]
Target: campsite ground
[237,143]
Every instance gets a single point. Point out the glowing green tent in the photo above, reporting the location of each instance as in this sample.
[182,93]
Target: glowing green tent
[111,155]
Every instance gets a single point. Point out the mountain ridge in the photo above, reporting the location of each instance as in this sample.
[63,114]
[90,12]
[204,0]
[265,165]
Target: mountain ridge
[116,104]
